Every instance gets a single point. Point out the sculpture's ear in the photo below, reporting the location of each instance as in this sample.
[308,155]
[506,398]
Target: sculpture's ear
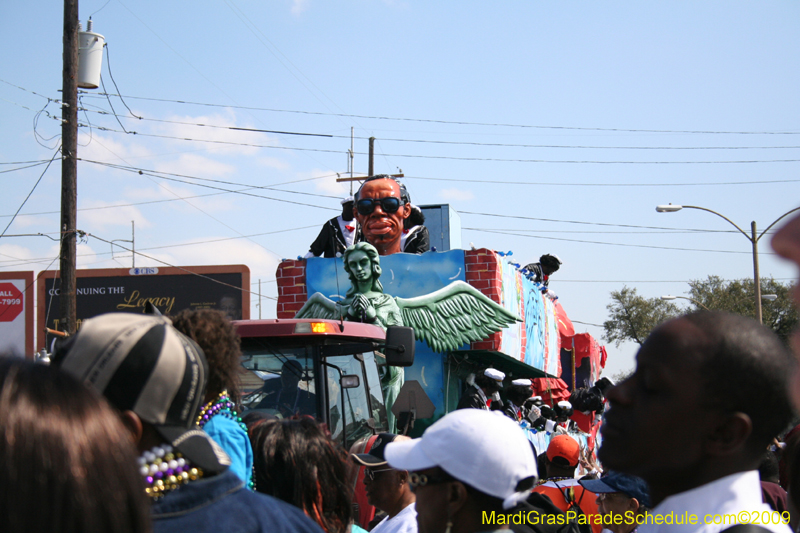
[377,269]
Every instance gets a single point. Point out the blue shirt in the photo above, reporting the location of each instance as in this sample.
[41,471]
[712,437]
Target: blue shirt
[221,503]
[234,440]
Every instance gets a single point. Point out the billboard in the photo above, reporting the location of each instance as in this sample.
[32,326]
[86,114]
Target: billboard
[170,289]
[16,313]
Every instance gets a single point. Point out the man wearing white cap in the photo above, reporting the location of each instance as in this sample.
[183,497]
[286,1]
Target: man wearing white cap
[516,394]
[487,385]
[337,234]
[462,484]
[387,488]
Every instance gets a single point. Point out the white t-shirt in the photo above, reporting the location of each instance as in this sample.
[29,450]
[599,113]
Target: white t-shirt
[403,522]
[349,236]
[735,495]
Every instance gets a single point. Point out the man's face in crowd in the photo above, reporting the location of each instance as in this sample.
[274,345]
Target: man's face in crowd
[615,503]
[655,426]
[383,491]
[548,269]
[383,230]
[347,211]
[432,504]
[787,243]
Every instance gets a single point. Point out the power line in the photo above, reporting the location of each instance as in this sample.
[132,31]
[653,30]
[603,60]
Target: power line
[672,232]
[614,243]
[586,323]
[571,184]
[176,245]
[215,126]
[159,176]
[467,123]
[457,158]
[457,143]
[23,168]
[148,202]
[248,186]
[577,222]
[209,215]
[30,193]
[184,269]
[40,161]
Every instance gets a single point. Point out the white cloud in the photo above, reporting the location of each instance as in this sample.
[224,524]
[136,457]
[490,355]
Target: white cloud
[261,262]
[25,221]
[456,194]
[104,148]
[10,254]
[86,256]
[196,165]
[222,136]
[117,216]
[327,183]
[216,203]
[298,6]
[273,162]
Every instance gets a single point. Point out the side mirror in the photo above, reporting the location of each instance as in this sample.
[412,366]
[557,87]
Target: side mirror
[350,381]
[399,350]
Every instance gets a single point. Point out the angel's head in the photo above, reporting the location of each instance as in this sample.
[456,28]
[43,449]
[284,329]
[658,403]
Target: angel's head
[362,263]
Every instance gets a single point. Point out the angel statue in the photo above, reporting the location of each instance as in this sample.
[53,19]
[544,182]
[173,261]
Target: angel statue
[445,319]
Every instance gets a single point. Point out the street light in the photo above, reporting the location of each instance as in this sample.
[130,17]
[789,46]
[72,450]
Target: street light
[769,297]
[670,297]
[753,238]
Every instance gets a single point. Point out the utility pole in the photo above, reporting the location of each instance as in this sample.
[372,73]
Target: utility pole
[352,163]
[756,275]
[69,168]
[371,157]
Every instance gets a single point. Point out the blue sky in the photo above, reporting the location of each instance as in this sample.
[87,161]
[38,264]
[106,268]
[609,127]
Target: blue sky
[580,116]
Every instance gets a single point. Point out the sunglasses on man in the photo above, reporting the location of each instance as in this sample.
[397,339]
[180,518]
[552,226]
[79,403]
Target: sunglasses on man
[422,480]
[369,473]
[389,205]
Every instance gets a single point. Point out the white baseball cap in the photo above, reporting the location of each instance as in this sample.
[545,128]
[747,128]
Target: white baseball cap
[494,374]
[522,382]
[483,449]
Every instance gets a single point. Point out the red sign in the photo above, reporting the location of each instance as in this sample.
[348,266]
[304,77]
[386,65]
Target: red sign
[10,302]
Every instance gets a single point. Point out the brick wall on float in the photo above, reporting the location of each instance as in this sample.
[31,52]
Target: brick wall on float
[484,271]
[292,293]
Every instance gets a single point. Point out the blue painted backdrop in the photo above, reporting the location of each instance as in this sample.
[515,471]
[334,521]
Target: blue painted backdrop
[406,276]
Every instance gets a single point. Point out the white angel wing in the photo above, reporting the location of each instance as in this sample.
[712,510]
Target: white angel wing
[453,316]
[318,306]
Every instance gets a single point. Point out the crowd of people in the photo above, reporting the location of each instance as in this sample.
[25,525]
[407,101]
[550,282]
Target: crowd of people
[135,427]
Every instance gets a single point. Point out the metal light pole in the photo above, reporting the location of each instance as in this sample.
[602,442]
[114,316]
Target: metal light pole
[769,297]
[670,297]
[753,238]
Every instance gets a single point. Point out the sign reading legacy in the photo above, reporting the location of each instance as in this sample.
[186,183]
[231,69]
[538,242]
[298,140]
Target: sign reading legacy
[169,289]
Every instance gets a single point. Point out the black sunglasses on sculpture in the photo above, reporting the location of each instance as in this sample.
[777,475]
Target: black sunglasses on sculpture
[390,204]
